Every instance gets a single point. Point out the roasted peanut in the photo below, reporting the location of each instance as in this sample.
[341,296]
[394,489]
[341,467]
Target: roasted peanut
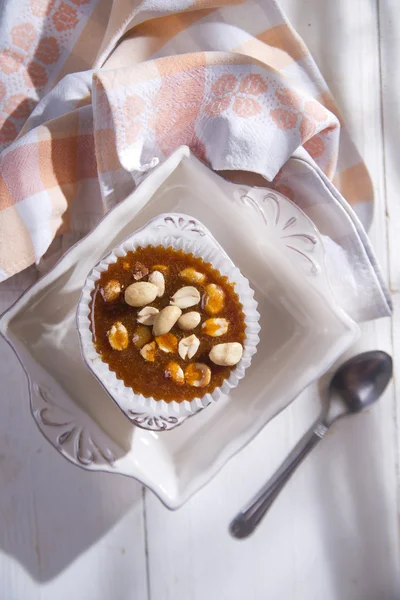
[118,336]
[162,268]
[213,299]
[147,315]
[166,319]
[167,342]
[140,293]
[141,336]
[148,352]
[192,276]
[189,320]
[215,327]
[185,297]
[197,375]
[226,355]
[157,279]
[188,346]
[111,290]
[175,372]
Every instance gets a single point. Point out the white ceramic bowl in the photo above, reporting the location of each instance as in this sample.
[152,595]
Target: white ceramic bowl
[181,232]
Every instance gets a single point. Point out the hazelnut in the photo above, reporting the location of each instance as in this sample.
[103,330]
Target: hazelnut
[141,336]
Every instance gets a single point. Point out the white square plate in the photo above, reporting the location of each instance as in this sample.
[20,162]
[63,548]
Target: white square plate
[303,332]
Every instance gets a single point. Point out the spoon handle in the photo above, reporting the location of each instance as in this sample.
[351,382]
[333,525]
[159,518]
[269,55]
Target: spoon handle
[247,520]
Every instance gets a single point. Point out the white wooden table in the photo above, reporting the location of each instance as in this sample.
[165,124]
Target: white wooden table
[333,534]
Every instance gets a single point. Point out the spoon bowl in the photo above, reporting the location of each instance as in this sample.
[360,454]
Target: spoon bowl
[357,384]
[362,379]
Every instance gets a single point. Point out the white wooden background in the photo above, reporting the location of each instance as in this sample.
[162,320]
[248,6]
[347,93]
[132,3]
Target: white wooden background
[334,532]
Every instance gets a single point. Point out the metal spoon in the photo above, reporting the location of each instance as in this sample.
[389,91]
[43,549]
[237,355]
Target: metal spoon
[356,385]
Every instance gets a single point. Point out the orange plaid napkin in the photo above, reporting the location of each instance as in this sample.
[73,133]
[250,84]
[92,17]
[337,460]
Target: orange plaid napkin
[123,84]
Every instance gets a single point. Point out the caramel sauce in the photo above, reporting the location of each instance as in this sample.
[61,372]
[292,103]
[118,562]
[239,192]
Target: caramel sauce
[149,378]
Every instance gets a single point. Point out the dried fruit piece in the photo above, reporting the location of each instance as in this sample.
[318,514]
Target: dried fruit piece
[157,279]
[215,327]
[213,299]
[118,336]
[192,276]
[226,355]
[175,372]
[185,297]
[141,336]
[188,346]
[111,290]
[148,352]
[166,319]
[189,320]
[139,271]
[147,315]
[167,342]
[140,293]
[197,375]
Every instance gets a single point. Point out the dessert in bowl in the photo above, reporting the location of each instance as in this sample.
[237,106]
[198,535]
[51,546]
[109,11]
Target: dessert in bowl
[167,322]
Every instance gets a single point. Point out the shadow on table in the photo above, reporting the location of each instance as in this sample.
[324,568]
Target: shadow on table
[352,463]
[352,476]
[51,511]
